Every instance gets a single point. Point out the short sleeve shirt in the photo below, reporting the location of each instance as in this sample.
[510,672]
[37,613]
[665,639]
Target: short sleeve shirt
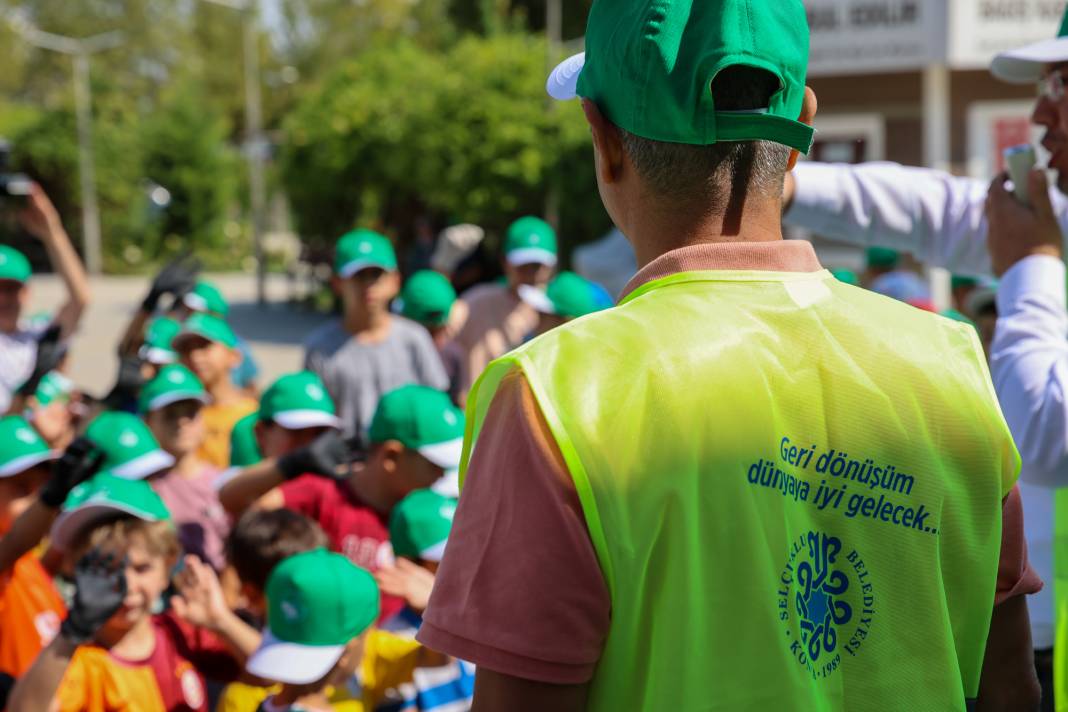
[203,524]
[519,541]
[18,353]
[353,527]
[219,421]
[30,613]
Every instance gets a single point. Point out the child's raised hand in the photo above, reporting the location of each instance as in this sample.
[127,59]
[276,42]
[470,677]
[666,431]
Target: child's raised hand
[200,600]
[407,580]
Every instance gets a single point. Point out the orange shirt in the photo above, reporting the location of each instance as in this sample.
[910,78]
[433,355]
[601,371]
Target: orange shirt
[30,613]
[219,421]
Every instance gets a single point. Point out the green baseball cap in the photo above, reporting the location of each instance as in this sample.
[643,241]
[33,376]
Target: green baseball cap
[13,265]
[104,496]
[21,447]
[159,341]
[54,386]
[568,295]
[361,249]
[205,297]
[173,383]
[422,419]
[882,257]
[244,450]
[130,449]
[299,400]
[1026,64]
[427,298]
[207,327]
[649,67]
[317,602]
[419,525]
[530,240]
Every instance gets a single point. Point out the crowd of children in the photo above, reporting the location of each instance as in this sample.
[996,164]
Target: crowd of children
[188,542]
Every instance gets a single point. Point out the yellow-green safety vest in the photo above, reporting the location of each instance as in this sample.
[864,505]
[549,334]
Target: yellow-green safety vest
[793,487]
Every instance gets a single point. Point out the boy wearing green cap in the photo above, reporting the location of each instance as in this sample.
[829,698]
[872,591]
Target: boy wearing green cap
[172,405]
[429,299]
[369,351]
[415,436]
[206,298]
[18,341]
[129,448]
[568,296]
[497,320]
[112,649]
[208,347]
[605,492]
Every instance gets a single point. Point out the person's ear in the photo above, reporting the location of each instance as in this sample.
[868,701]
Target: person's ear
[607,144]
[235,358]
[808,115]
[389,454]
[393,282]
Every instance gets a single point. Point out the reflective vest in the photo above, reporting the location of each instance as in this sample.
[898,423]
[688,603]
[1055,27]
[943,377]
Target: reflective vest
[793,488]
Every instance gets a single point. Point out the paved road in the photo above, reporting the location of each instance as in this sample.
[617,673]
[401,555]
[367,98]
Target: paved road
[275,332]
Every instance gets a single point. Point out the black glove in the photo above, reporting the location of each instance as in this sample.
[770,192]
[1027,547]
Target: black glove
[323,457]
[49,355]
[77,464]
[99,589]
[127,384]
[177,278]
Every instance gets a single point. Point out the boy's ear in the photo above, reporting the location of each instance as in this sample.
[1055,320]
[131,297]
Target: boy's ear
[390,453]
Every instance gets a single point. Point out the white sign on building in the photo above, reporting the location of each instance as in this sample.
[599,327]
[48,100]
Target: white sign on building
[979,29]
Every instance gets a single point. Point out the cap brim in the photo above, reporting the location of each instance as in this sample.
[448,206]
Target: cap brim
[446,454]
[165,399]
[141,467]
[70,522]
[292,663]
[21,464]
[448,485]
[300,419]
[359,265]
[1025,64]
[531,255]
[536,298]
[563,81]
[176,344]
[434,553]
[157,356]
[195,302]
[979,299]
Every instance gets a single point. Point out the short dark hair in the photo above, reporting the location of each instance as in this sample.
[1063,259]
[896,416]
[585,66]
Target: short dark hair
[705,177]
[261,539]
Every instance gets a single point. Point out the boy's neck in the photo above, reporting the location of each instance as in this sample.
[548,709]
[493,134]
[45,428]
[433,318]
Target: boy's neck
[368,325]
[366,483]
[223,392]
[188,466]
[135,644]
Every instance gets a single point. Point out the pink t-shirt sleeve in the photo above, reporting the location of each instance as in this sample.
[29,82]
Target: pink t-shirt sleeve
[519,591]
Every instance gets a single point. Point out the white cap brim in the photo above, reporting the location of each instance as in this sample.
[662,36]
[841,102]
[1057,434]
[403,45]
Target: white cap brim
[448,485]
[21,464]
[158,356]
[531,255]
[1025,64]
[164,400]
[434,553]
[73,521]
[359,265]
[292,663]
[141,467]
[446,454]
[300,419]
[563,82]
[536,298]
[195,302]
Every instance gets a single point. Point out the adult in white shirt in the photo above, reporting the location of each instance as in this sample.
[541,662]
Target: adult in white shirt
[18,340]
[972,227]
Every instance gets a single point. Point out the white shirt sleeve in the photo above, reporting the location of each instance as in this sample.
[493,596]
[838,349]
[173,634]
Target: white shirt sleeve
[938,217]
[1029,365]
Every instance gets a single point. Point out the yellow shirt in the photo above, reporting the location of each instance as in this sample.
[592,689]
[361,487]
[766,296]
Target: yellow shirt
[219,421]
[388,661]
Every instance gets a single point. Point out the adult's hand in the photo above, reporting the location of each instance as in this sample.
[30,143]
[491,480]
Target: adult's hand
[177,277]
[99,590]
[326,456]
[79,462]
[49,355]
[39,217]
[1017,230]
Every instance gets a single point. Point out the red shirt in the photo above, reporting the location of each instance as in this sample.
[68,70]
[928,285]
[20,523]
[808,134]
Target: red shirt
[354,528]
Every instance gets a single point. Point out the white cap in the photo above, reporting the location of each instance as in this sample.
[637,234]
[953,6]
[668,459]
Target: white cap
[292,663]
[563,82]
[1025,64]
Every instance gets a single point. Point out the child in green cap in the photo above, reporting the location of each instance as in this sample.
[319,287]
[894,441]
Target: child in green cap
[568,296]
[121,547]
[369,351]
[429,299]
[416,437]
[172,405]
[207,346]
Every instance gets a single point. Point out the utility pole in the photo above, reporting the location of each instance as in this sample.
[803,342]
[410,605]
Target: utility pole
[554,20]
[255,144]
[80,51]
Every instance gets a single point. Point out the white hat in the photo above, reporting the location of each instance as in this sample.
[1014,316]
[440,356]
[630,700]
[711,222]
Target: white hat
[1025,64]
